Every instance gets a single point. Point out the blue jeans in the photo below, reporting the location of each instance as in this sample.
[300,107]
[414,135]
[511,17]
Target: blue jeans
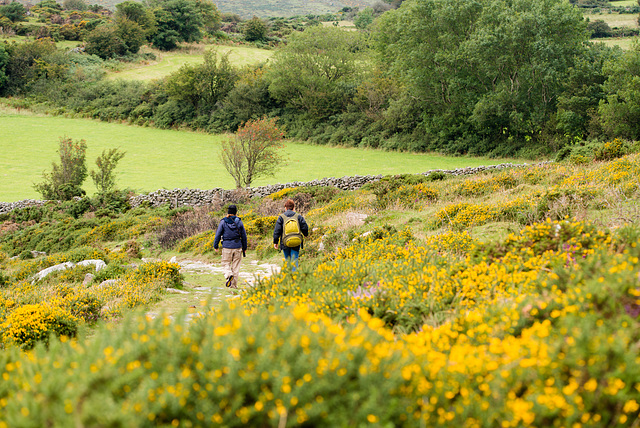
[291,257]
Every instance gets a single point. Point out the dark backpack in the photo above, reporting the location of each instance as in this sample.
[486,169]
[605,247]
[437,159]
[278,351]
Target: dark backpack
[291,234]
[233,227]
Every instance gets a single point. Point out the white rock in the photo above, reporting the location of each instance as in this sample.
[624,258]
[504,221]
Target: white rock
[99,264]
[43,273]
[176,291]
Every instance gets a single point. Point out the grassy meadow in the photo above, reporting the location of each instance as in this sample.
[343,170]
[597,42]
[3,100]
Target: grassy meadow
[615,19]
[170,62]
[171,159]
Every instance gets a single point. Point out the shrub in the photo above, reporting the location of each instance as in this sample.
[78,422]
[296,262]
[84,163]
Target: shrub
[261,225]
[29,324]
[132,249]
[388,184]
[86,307]
[65,180]
[187,224]
[611,150]
[166,273]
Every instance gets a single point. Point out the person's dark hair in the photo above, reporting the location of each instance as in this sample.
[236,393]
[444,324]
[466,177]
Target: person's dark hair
[232,209]
[289,204]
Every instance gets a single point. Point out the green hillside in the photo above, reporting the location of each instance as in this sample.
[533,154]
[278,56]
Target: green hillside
[262,8]
[277,8]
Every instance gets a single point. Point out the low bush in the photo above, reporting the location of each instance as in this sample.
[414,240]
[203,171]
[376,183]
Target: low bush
[166,273]
[30,324]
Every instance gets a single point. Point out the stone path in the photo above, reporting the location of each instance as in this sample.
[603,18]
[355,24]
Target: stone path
[202,288]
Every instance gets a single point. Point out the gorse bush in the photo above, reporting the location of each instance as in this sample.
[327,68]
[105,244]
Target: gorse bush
[30,324]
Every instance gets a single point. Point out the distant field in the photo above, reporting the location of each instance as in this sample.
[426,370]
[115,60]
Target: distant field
[615,19]
[170,159]
[623,42]
[624,3]
[169,62]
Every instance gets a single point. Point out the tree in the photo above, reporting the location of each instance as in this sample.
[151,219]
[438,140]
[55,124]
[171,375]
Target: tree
[138,13]
[599,29]
[253,152]
[209,14]
[318,71]
[255,30]
[75,5]
[14,11]
[104,177]
[113,40]
[178,21]
[364,18]
[65,180]
[203,85]
[620,112]
[486,74]
[4,62]
[583,90]
[30,62]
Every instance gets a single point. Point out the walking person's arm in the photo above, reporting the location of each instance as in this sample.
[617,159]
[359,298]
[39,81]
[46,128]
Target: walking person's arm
[304,227]
[243,238]
[216,241]
[277,232]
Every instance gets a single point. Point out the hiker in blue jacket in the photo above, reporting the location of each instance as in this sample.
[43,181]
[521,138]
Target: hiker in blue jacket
[234,244]
[290,241]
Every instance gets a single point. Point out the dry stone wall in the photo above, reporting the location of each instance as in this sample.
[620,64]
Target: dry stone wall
[196,197]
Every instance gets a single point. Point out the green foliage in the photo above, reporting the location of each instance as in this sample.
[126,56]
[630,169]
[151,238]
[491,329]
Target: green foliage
[110,41]
[254,30]
[4,61]
[75,5]
[166,273]
[14,11]
[620,113]
[364,18]
[30,62]
[611,150]
[104,178]
[474,105]
[318,71]
[136,12]
[599,28]
[253,152]
[248,99]
[203,85]
[387,187]
[65,179]
[177,21]
[583,91]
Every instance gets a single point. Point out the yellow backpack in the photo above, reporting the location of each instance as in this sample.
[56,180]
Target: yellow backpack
[291,235]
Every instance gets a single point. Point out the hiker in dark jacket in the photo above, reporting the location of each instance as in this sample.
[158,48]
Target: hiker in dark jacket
[234,244]
[290,253]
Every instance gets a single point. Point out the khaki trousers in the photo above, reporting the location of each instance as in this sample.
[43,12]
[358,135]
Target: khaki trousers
[231,258]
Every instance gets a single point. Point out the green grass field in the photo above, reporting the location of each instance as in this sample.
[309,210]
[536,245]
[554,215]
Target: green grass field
[624,43]
[169,62]
[615,19]
[157,159]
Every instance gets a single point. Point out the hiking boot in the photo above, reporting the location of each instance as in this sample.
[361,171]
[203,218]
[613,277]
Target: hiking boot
[229,281]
